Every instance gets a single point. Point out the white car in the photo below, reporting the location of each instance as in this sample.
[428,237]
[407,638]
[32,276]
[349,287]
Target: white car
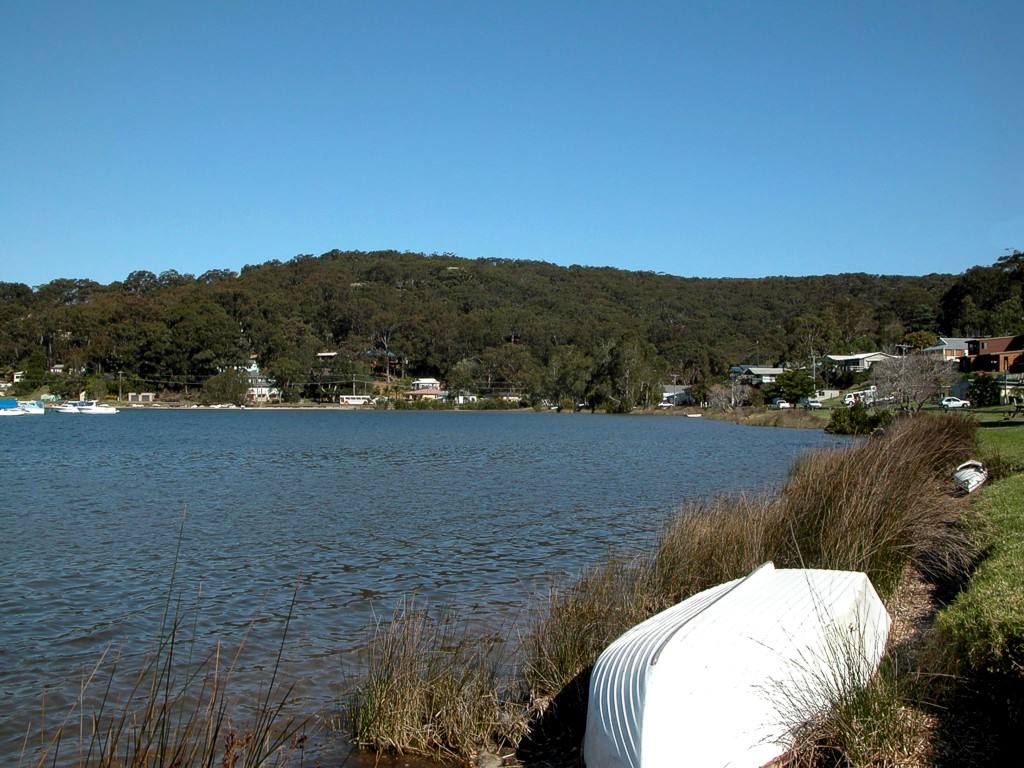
[778,402]
[955,402]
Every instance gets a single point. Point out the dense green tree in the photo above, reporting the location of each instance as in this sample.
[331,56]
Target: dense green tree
[793,385]
[983,391]
[227,387]
[920,339]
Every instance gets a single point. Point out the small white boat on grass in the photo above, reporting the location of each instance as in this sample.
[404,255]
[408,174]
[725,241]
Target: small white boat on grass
[969,475]
[722,678]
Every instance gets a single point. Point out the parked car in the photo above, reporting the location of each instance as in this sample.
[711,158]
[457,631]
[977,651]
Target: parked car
[955,402]
[812,405]
[779,403]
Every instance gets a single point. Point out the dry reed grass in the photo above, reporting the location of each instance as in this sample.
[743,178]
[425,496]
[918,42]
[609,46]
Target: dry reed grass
[431,688]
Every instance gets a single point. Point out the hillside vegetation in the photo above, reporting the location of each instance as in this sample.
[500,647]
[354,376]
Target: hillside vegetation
[486,324]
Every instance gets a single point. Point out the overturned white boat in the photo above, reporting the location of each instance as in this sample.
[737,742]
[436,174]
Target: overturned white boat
[969,475]
[722,678]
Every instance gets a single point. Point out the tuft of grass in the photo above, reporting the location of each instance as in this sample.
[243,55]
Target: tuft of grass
[581,620]
[860,720]
[431,688]
[710,542]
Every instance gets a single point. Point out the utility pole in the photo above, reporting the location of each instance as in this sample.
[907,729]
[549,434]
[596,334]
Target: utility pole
[119,380]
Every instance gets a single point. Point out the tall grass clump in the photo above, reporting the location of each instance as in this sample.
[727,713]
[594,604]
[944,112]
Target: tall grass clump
[881,504]
[847,716]
[580,620]
[710,542]
[431,688]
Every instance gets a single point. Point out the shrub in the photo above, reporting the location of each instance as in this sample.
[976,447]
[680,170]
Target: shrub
[857,420]
[226,387]
[983,391]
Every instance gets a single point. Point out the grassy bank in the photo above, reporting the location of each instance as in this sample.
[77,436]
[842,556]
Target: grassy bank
[795,418]
[880,506]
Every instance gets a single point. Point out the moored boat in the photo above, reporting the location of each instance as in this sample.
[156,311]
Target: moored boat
[95,408]
[10,407]
[721,678]
[91,407]
[969,475]
[32,407]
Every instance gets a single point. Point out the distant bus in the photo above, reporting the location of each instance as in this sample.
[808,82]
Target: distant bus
[354,400]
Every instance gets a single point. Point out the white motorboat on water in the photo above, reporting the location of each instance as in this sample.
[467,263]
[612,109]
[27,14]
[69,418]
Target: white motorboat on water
[32,407]
[11,407]
[969,475]
[91,407]
[722,678]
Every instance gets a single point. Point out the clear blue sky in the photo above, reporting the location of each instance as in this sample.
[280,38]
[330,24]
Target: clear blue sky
[711,139]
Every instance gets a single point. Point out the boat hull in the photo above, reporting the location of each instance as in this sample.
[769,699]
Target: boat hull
[969,475]
[706,682]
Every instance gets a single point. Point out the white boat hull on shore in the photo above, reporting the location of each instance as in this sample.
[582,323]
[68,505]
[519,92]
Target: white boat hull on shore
[713,681]
[969,475]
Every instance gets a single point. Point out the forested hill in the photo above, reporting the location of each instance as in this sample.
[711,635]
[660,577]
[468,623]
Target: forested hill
[508,321]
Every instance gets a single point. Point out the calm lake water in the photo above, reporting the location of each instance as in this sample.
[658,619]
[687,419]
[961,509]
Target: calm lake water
[480,511]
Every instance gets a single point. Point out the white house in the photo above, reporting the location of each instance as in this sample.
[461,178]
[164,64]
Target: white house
[261,389]
[860,362]
[425,384]
[676,394]
[424,389]
[950,350]
[756,374]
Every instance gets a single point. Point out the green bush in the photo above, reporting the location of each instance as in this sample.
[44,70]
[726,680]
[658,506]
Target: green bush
[226,387]
[983,391]
[857,420]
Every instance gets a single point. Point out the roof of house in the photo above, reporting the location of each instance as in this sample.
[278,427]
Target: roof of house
[858,356]
[947,343]
[997,344]
[758,370]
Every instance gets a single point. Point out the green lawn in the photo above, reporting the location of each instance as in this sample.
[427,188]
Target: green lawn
[983,628]
[1003,445]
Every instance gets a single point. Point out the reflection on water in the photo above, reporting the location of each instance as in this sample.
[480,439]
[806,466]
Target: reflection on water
[476,510]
